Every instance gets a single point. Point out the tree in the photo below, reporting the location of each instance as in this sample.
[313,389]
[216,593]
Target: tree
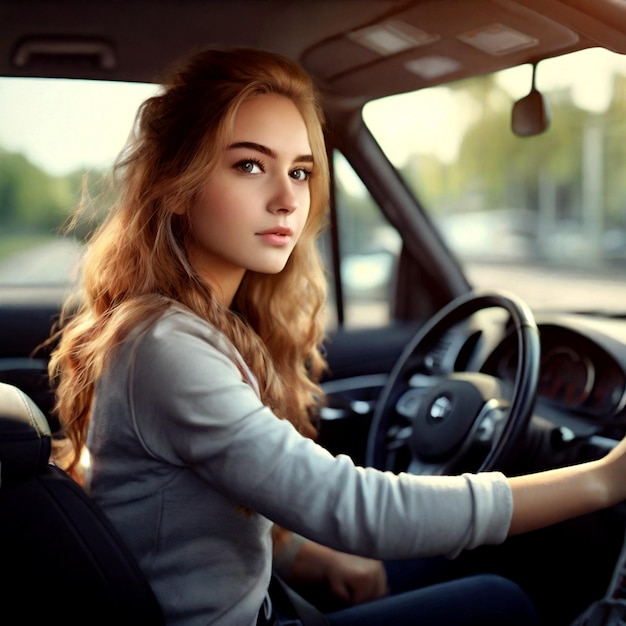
[32,200]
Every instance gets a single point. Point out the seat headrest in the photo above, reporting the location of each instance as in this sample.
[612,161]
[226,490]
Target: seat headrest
[25,438]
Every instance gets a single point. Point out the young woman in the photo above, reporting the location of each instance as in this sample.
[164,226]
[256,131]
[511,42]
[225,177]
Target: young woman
[190,371]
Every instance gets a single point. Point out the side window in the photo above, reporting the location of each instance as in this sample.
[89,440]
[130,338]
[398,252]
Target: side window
[369,247]
[58,137]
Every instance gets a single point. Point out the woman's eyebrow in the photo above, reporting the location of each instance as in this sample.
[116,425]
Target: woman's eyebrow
[251,145]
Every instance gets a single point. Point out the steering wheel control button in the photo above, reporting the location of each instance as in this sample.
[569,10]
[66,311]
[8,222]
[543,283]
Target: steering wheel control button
[489,424]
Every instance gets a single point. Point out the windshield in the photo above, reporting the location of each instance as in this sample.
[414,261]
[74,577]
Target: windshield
[544,215]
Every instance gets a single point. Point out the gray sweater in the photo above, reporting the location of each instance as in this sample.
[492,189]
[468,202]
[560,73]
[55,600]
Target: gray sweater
[193,470]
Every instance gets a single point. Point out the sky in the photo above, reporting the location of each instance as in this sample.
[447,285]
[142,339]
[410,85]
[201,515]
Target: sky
[65,125]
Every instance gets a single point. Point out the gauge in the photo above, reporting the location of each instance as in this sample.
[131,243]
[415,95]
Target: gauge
[608,391]
[565,376]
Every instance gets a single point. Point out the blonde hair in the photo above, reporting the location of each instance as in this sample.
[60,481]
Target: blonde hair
[137,263]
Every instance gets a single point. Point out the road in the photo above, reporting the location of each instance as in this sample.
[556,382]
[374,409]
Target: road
[52,263]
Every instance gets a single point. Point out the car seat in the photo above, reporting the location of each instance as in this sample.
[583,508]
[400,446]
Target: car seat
[61,559]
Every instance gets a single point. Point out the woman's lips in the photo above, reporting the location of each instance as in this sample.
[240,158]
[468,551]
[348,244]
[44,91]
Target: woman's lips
[279,236]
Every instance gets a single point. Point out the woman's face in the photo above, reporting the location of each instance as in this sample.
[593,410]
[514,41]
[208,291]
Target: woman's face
[256,201]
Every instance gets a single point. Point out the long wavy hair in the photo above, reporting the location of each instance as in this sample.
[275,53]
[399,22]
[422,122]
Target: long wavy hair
[136,261]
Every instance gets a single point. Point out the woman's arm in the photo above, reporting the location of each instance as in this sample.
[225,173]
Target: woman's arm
[556,495]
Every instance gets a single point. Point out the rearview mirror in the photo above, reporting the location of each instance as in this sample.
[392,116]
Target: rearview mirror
[531,114]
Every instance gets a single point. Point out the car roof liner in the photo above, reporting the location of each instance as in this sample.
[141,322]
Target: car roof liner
[416,43]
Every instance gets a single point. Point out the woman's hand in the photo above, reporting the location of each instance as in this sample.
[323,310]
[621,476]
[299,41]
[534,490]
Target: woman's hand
[355,579]
[351,579]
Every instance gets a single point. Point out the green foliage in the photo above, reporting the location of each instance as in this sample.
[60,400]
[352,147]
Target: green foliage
[33,201]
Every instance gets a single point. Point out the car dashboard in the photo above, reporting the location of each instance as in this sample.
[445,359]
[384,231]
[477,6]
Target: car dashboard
[580,406]
[582,370]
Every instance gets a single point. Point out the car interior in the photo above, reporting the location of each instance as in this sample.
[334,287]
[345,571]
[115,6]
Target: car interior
[476,249]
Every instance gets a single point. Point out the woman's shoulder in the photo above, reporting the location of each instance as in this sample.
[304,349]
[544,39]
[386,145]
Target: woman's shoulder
[178,329]
[174,319]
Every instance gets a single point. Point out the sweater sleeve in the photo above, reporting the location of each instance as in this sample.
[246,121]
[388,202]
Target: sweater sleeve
[192,407]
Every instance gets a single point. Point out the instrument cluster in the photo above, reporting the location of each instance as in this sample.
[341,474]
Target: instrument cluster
[575,373]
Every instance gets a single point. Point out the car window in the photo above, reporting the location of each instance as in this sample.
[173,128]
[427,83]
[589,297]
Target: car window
[369,247]
[544,215]
[58,138]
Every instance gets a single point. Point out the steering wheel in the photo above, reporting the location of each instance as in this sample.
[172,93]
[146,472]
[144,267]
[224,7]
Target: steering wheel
[444,419]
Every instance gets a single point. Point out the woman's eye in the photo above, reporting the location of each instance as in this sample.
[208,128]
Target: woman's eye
[301,174]
[250,167]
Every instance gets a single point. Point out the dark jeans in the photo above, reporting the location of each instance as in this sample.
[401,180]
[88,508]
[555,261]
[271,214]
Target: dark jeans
[478,600]
[481,600]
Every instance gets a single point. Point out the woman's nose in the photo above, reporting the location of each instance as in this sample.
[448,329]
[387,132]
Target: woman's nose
[284,198]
